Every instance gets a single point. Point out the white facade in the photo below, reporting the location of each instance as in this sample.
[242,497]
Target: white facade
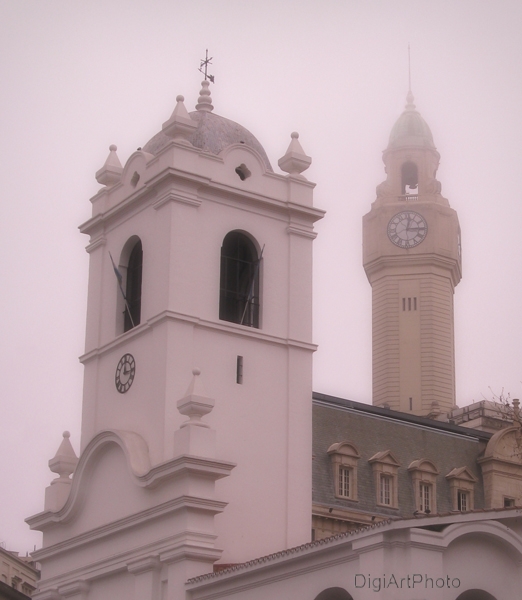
[196,432]
[198,180]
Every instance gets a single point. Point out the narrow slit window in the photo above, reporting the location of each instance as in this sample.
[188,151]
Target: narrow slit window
[415,303]
[132,313]
[239,369]
[404,304]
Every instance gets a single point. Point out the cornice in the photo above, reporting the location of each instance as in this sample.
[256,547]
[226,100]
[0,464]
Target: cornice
[413,264]
[143,474]
[223,326]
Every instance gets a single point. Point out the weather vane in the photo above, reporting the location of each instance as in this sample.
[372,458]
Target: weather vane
[205,63]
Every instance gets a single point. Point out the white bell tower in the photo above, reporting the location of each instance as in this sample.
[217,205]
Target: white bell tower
[412,257]
[213,253]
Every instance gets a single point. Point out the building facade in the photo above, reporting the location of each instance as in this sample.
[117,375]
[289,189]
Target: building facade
[18,575]
[203,448]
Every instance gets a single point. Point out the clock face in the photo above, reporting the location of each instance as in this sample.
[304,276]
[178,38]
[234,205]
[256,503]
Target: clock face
[407,229]
[125,372]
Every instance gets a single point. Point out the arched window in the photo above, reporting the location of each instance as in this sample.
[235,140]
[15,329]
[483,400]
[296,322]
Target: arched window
[410,179]
[239,281]
[476,595]
[132,311]
[334,593]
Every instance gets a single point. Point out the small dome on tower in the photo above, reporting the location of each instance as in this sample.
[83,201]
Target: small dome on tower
[213,133]
[410,128]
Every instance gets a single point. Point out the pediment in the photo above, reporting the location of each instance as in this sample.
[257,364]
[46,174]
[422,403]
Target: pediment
[386,457]
[506,444]
[462,473]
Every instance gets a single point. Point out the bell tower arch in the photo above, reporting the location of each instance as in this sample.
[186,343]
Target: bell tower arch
[412,258]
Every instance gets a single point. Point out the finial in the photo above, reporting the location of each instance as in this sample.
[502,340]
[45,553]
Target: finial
[111,171]
[65,460]
[295,161]
[204,101]
[180,126]
[195,404]
[205,63]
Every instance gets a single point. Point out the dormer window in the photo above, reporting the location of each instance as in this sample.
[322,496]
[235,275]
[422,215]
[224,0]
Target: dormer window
[424,477]
[385,471]
[462,486]
[344,457]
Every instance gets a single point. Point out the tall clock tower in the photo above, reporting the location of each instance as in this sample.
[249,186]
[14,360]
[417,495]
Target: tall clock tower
[412,257]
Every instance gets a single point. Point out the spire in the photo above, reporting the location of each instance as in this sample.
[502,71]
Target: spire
[409,95]
[204,101]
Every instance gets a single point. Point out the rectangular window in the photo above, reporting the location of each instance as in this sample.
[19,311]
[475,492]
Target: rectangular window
[404,304]
[344,481]
[386,488]
[415,303]
[462,501]
[509,502]
[425,497]
[239,369]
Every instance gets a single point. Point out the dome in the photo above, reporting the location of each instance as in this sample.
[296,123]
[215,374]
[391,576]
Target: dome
[213,133]
[410,129]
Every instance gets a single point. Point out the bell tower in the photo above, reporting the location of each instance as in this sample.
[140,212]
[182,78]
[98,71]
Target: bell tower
[412,258]
[199,307]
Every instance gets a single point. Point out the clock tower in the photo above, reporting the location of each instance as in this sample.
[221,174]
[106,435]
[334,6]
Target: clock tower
[412,257]
[198,366]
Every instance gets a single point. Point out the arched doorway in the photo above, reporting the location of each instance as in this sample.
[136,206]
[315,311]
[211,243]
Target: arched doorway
[475,595]
[334,593]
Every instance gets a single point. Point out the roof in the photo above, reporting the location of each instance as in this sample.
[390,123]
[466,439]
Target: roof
[435,522]
[373,429]
[213,133]
[410,129]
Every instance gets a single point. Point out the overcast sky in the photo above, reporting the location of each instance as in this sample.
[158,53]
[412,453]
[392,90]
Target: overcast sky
[77,76]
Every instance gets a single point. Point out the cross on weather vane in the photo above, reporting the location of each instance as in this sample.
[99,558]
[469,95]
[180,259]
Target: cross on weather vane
[205,63]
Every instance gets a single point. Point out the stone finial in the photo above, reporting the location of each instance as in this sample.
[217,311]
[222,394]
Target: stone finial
[63,464]
[65,460]
[409,101]
[195,404]
[111,171]
[180,126]
[204,101]
[295,161]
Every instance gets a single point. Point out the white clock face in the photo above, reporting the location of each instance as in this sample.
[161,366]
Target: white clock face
[407,229]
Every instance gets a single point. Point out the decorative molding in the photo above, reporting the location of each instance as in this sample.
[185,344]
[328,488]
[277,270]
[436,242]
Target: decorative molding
[96,243]
[171,196]
[301,231]
[167,315]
